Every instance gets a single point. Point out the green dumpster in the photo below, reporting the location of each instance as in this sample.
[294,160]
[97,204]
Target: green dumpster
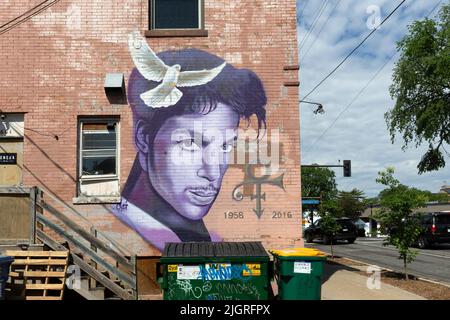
[215,271]
[298,272]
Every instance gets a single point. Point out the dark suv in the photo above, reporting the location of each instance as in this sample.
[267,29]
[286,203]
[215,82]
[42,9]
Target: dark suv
[436,228]
[347,232]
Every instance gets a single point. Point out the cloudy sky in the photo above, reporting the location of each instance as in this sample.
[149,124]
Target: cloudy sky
[356,131]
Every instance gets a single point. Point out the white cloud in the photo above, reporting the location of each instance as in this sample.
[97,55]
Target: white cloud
[360,134]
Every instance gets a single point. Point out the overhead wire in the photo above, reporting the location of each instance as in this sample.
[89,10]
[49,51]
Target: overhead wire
[353,50]
[321,29]
[313,24]
[300,19]
[23,14]
[27,15]
[360,92]
[363,89]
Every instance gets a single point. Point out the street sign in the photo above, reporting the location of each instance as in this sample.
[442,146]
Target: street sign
[310,201]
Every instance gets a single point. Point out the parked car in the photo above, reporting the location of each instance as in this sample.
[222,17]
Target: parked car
[436,228]
[347,232]
[360,227]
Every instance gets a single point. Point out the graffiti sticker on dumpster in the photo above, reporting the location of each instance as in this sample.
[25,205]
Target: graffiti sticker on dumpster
[188,272]
[253,270]
[172,268]
[214,271]
[302,267]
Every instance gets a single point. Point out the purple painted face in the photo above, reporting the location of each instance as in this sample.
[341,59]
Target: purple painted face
[190,157]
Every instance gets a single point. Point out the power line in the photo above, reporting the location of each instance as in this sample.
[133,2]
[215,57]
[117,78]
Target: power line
[313,24]
[18,17]
[303,11]
[321,29]
[354,50]
[31,15]
[354,99]
[26,18]
[365,87]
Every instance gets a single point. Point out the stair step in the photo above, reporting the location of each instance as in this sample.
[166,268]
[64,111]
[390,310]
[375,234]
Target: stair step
[91,294]
[98,289]
[27,247]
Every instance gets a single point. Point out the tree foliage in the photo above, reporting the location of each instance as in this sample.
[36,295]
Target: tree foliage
[421,90]
[396,215]
[318,182]
[351,203]
[436,197]
[329,227]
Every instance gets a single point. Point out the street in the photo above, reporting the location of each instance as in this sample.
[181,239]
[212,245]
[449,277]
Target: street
[432,264]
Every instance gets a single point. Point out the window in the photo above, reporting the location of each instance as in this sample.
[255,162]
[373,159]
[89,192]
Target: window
[443,219]
[98,149]
[426,218]
[176,18]
[98,160]
[176,14]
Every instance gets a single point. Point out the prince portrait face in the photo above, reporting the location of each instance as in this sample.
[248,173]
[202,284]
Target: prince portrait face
[184,134]
[189,157]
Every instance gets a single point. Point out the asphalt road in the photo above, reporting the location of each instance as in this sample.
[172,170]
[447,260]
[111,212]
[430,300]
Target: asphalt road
[433,264]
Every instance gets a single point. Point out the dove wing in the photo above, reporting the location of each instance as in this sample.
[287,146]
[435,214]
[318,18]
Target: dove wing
[146,61]
[162,96]
[200,77]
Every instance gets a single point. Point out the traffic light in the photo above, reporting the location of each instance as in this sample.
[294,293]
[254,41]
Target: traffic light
[347,168]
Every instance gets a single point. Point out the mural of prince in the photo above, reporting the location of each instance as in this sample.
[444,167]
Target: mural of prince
[187,106]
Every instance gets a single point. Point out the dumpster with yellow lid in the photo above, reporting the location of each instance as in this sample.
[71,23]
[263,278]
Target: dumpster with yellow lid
[298,272]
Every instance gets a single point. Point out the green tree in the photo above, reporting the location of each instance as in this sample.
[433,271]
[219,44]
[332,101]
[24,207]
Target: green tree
[421,90]
[438,197]
[396,216]
[329,225]
[318,182]
[351,204]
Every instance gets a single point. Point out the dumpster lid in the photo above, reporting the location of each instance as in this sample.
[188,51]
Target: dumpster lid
[214,249]
[6,259]
[298,252]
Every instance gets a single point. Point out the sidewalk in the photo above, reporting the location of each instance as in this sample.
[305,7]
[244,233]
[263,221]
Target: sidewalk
[370,239]
[343,283]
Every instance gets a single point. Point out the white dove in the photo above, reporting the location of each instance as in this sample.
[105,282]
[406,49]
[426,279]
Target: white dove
[153,68]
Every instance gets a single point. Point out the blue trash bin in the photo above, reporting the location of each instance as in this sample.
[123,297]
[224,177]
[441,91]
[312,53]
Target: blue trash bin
[5,262]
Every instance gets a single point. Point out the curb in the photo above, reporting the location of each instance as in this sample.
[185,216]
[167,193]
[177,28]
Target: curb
[392,270]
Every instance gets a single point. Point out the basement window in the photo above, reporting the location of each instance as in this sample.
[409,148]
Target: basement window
[176,18]
[98,161]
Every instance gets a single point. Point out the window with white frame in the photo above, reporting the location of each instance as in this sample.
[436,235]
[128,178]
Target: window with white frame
[176,14]
[99,158]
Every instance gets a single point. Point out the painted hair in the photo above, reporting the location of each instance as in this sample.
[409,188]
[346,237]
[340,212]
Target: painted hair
[241,89]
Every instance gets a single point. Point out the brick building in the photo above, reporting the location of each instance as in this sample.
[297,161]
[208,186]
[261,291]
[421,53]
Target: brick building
[73,121]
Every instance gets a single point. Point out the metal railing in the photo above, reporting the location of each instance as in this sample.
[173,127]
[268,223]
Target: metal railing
[109,263]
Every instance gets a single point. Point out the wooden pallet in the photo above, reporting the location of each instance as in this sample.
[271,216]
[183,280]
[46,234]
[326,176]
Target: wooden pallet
[37,275]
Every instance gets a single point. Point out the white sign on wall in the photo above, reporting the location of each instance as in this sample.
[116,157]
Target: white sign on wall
[11,125]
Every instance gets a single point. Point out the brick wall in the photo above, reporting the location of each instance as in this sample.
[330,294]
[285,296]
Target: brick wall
[53,68]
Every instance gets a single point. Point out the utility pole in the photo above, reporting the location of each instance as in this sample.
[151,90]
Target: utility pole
[347,167]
